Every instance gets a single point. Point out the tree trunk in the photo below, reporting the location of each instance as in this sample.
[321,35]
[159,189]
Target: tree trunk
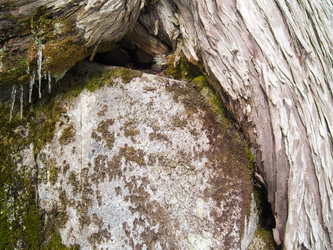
[271,62]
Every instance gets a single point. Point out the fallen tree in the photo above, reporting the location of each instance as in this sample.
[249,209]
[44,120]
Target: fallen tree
[270,61]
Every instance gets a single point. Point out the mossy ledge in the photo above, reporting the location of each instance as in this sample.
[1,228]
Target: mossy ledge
[58,39]
[97,76]
[23,225]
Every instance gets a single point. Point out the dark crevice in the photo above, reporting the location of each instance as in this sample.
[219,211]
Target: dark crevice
[266,217]
[129,55]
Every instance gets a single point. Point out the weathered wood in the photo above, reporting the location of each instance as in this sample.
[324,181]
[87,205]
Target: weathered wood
[273,61]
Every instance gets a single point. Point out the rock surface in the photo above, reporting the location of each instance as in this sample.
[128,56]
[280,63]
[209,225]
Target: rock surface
[147,164]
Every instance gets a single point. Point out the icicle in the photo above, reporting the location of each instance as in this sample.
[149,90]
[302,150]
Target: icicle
[44,75]
[21,102]
[13,102]
[39,65]
[49,80]
[31,85]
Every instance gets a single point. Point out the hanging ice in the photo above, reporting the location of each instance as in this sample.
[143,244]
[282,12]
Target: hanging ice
[21,102]
[44,75]
[13,102]
[49,80]
[31,85]
[39,69]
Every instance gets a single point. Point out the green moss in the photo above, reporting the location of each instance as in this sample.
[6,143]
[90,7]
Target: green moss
[183,70]
[100,78]
[54,241]
[20,217]
[68,135]
[21,222]
[40,22]
[53,175]
[251,159]
[92,87]
[42,120]
[201,84]
[60,56]
[229,150]
[187,71]
[13,71]
[7,5]
[46,116]
[126,74]
[263,239]
[259,192]
[73,181]
[61,47]
[106,77]
[22,25]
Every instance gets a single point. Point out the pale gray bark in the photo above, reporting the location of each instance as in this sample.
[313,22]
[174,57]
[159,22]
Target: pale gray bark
[273,61]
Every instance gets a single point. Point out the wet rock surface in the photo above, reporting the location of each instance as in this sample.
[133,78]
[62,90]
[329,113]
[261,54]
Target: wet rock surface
[146,164]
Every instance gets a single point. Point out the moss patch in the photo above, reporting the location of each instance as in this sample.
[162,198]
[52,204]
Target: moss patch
[13,69]
[103,128]
[46,115]
[67,135]
[62,55]
[61,47]
[20,217]
[263,239]
[22,222]
[201,84]
[98,77]
[183,69]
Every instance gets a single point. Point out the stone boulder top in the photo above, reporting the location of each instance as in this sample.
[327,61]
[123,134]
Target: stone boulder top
[148,163]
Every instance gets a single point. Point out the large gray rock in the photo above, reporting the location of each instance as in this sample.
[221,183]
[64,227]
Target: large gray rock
[147,164]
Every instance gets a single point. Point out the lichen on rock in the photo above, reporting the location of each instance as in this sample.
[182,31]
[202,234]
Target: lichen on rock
[147,169]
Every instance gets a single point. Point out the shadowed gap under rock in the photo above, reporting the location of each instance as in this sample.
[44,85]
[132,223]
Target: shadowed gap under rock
[129,55]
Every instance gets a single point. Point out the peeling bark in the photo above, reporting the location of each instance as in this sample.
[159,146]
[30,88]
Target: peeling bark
[273,61]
